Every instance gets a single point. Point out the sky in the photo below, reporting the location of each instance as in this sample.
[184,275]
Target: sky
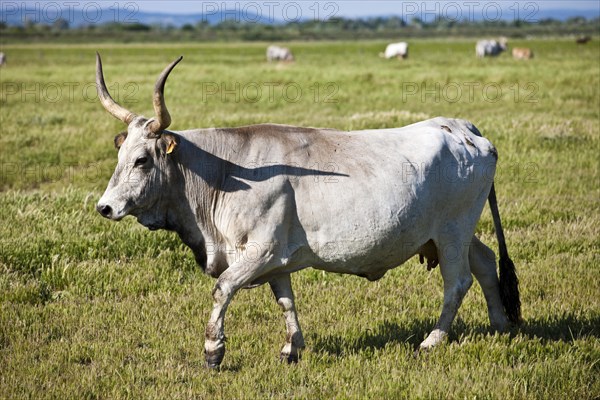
[355,8]
[344,8]
[296,10]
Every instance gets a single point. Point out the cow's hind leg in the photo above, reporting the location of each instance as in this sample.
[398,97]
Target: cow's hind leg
[282,289]
[482,261]
[454,266]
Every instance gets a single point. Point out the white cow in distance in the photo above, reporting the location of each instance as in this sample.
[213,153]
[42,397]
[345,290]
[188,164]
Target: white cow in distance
[398,50]
[276,53]
[2,59]
[492,48]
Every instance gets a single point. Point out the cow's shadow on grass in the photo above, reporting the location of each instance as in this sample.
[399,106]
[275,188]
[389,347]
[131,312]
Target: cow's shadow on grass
[565,328]
[377,338]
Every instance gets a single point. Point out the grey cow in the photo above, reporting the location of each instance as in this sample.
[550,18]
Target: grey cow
[276,53]
[256,203]
[485,48]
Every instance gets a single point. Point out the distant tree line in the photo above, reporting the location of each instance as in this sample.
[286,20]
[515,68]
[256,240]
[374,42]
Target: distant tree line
[332,29]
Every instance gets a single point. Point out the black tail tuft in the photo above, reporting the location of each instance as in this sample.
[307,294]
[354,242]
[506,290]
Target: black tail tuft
[509,283]
[509,290]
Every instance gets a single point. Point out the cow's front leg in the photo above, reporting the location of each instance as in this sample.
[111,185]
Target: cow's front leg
[282,289]
[235,277]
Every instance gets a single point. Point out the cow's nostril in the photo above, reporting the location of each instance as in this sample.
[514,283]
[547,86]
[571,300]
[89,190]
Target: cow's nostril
[105,210]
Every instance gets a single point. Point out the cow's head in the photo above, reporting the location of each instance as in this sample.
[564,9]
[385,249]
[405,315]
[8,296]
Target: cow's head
[138,182]
[503,42]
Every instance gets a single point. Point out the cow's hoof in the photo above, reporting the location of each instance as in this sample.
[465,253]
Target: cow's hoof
[214,359]
[213,367]
[289,358]
[417,352]
[421,352]
[501,325]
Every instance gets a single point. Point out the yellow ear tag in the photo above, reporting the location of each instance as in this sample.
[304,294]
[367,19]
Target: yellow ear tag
[171,147]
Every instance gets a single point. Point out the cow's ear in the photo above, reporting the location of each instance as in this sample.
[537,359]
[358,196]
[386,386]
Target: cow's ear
[119,139]
[168,143]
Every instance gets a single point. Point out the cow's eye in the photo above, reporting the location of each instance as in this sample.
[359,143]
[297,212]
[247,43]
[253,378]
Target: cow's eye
[141,161]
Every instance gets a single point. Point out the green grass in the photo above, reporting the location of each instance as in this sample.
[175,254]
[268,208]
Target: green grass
[94,309]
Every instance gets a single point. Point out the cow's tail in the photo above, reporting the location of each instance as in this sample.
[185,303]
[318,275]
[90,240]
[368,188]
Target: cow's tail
[509,283]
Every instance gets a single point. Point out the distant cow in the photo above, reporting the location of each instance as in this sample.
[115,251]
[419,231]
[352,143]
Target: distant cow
[583,39]
[2,59]
[398,50]
[522,53]
[492,48]
[276,53]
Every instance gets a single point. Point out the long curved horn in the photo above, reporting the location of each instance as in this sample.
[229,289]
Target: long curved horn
[107,101]
[163,118]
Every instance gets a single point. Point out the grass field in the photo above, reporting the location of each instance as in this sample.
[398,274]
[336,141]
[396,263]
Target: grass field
[95,309]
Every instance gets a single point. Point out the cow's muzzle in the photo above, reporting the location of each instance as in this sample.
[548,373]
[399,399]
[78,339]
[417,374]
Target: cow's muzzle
[114,209]
[105,210]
